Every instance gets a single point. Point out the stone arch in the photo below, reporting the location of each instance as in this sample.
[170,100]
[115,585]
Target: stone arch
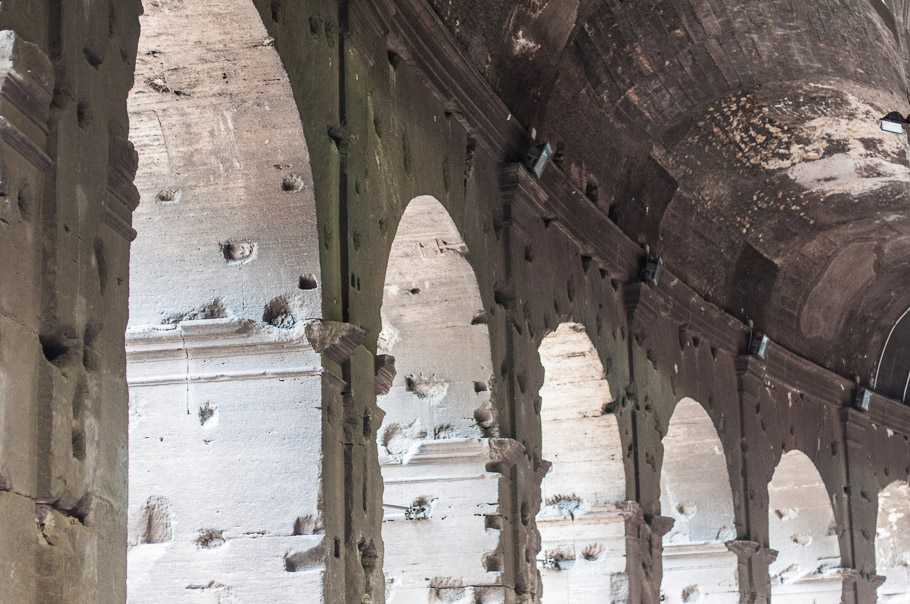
[695,492]
[892,543]
[802,529]
[581,522]
[225,388]
[441,523]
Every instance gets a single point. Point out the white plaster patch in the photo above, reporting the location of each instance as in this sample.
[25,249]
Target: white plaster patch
[522,45]
[859,170]
[848,174]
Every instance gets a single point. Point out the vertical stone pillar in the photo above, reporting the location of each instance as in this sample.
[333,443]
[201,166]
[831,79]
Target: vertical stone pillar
[643,308]
[860,583]
[755,558]
[66,199]
[521,194]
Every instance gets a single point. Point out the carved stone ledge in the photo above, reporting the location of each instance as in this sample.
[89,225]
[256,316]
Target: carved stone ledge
[217,350]
[851,577]
[660,525]
[506,453]
[336,340]
[384,373]
[747,550]
[26,89]
[122,196]
[541,469]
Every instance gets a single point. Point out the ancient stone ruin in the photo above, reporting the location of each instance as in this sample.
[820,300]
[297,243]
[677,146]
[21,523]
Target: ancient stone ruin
[291,314]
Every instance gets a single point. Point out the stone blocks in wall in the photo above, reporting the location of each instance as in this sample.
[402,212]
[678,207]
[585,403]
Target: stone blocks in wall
[225,475]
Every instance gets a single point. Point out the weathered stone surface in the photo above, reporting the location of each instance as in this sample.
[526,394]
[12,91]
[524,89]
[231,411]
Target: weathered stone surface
[324,183]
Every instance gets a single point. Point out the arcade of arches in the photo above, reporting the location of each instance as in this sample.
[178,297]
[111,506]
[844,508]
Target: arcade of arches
[286,318]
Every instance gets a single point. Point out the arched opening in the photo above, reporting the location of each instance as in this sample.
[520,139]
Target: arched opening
[225,438]
[892,543]
[803,531]
[892,376]
[441,522]
[695,491]
[582,530]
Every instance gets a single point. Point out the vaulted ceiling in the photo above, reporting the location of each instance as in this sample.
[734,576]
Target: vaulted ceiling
[740,140]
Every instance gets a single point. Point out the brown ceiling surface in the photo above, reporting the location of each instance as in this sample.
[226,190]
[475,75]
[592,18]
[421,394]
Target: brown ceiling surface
[738,139]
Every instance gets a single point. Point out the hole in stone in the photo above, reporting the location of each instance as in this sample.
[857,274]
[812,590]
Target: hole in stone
[155,520]
[168,196]
[101,265]
[560,155]
[209,539]
[317,24]
[83,115]
[78,441]
[565,505]
[91,57]
[691,594]
[394,59]
[592,191]
[420,509]
[206,412]
[492,563]
[493,522]
[159,84]
[111,20]
[592,552]
[415,290]
[213,310]
[307,282]
[337,547]
[278,313]
[529,254]
[22,201]
[480,387]
[429,388]
[56,342]
[559,558]
[238,252]
[292,183]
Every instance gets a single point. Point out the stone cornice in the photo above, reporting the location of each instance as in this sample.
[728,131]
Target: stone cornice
[383,373]
[337,341]
[26,89]
[217,338]
[214,350]
[122,195]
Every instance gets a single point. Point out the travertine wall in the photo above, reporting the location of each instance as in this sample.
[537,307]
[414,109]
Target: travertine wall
[226,499]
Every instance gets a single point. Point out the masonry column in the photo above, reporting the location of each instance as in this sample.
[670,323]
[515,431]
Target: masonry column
[754,555]
[66,199]
[860,583]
